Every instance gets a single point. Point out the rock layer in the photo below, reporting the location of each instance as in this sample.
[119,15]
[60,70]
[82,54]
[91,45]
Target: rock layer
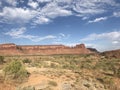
[13,49]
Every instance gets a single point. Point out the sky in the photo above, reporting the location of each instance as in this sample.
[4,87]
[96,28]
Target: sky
[96,23]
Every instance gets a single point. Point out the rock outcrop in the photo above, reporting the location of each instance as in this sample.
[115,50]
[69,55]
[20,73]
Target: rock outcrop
[111,54]
[12,49]
[9,49]
[93,50]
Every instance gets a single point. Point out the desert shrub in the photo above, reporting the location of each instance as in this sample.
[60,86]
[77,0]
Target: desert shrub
[15,70]
[117,72]
[53,65]
[26,88]
[86,65]
[52,83]
[105,65]
[1,59]
[107,81]
[26,61]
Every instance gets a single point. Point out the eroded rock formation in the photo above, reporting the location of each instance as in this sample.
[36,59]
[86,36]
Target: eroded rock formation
[111,54]
[12,49]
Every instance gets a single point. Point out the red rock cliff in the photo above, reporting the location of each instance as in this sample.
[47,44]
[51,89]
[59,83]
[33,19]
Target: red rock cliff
[8,49]
[12,49]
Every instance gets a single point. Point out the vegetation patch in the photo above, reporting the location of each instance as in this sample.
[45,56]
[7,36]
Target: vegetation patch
[26,60]
[15,71]
[52,83]
[1,59]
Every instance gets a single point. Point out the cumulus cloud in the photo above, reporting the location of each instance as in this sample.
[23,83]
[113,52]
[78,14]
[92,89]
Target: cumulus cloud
[45,11]
[41,20]
[20,33]
[98,20]
[52,10]
[33,4]
[37,16]
[49,12]
[12,15]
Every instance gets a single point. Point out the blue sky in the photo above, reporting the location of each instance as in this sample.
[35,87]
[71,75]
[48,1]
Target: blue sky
[96,23]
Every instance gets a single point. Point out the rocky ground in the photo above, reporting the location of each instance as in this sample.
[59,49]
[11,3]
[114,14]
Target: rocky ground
[64,72]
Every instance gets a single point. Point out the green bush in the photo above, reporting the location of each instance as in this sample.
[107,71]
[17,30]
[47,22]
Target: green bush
[117,72]
[1,59]
[26,61]
[26,88]
[15,70]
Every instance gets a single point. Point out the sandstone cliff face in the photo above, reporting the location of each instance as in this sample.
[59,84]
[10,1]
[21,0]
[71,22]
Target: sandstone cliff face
[8,49]
[12,49]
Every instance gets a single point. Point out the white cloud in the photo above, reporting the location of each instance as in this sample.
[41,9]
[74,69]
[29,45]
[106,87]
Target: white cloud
[88,45]
[36,16]
[16,33]
[62,34]
[41,1]
[116,14]
[64,1]
[37,39]
[98,20]
[49,12]
[103,41]
[113,36]
[20,33]
[70,44]
[61,37]
[84,18]
[58,1]
[91,7]
[33,4]
[116,42]
[10,14]
[41,20]
[52,10]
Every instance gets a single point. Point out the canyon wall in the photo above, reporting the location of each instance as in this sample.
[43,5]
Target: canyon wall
[12,49]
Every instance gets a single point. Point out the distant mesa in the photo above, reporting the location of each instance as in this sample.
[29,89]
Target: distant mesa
[13,49]
[93,50]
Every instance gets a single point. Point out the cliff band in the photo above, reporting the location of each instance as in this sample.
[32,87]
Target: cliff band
[13,49]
